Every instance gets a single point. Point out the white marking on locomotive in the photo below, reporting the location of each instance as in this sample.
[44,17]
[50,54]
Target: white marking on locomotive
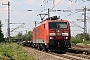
[52,34]
[64,34]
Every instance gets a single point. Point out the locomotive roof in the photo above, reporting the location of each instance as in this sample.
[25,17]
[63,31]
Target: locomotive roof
[55,21]
[52,19]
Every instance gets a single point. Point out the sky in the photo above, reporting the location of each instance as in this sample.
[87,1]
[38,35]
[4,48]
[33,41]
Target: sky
[19,14]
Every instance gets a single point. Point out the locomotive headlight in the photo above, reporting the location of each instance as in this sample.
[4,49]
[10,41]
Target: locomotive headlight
[65,37]
[51,37]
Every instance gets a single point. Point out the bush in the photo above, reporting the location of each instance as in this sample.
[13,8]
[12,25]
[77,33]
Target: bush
[88,42]
[75,41]
[13,52]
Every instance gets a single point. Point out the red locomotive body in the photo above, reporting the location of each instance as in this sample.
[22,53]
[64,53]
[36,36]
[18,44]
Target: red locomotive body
[52,34]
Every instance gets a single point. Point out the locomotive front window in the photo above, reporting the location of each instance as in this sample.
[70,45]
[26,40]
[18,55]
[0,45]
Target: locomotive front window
[62,25]
[57,25]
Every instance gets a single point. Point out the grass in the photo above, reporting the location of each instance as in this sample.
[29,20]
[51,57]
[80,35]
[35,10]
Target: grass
[13,51]
[83,44]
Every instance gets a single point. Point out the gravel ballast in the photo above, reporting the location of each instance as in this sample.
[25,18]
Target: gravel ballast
[39,55]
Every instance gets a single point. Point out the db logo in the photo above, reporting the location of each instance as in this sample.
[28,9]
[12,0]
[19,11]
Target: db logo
[58,34]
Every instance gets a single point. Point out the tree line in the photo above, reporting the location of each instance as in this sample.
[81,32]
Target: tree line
[1,33]
[79,38]
[20,36]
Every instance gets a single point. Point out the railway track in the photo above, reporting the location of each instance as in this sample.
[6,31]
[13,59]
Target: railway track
[71,56]
[75,53]
[84,49]
[59,56]
[80,55]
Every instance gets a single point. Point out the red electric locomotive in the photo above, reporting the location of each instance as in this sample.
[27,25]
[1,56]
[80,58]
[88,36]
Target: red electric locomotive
[52,34]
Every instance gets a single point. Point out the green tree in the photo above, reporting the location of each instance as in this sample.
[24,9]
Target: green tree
[18,36]
[79,38]
[27,36]
[1,34]
[82,35]
[30,35]
[75,40]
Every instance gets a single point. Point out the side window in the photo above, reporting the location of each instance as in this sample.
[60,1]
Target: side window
[44,26]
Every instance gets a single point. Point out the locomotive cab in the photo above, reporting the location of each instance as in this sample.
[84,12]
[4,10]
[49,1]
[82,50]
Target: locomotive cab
[59,34]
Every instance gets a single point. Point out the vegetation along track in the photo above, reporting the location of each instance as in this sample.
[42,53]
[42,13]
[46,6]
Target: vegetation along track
[39,55]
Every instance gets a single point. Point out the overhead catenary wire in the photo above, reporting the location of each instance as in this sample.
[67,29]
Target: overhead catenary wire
[72,5]
[76,25]
[57,4]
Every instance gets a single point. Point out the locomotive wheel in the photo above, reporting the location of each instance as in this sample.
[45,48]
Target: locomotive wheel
[47,50]
[38,47]
[43,49]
